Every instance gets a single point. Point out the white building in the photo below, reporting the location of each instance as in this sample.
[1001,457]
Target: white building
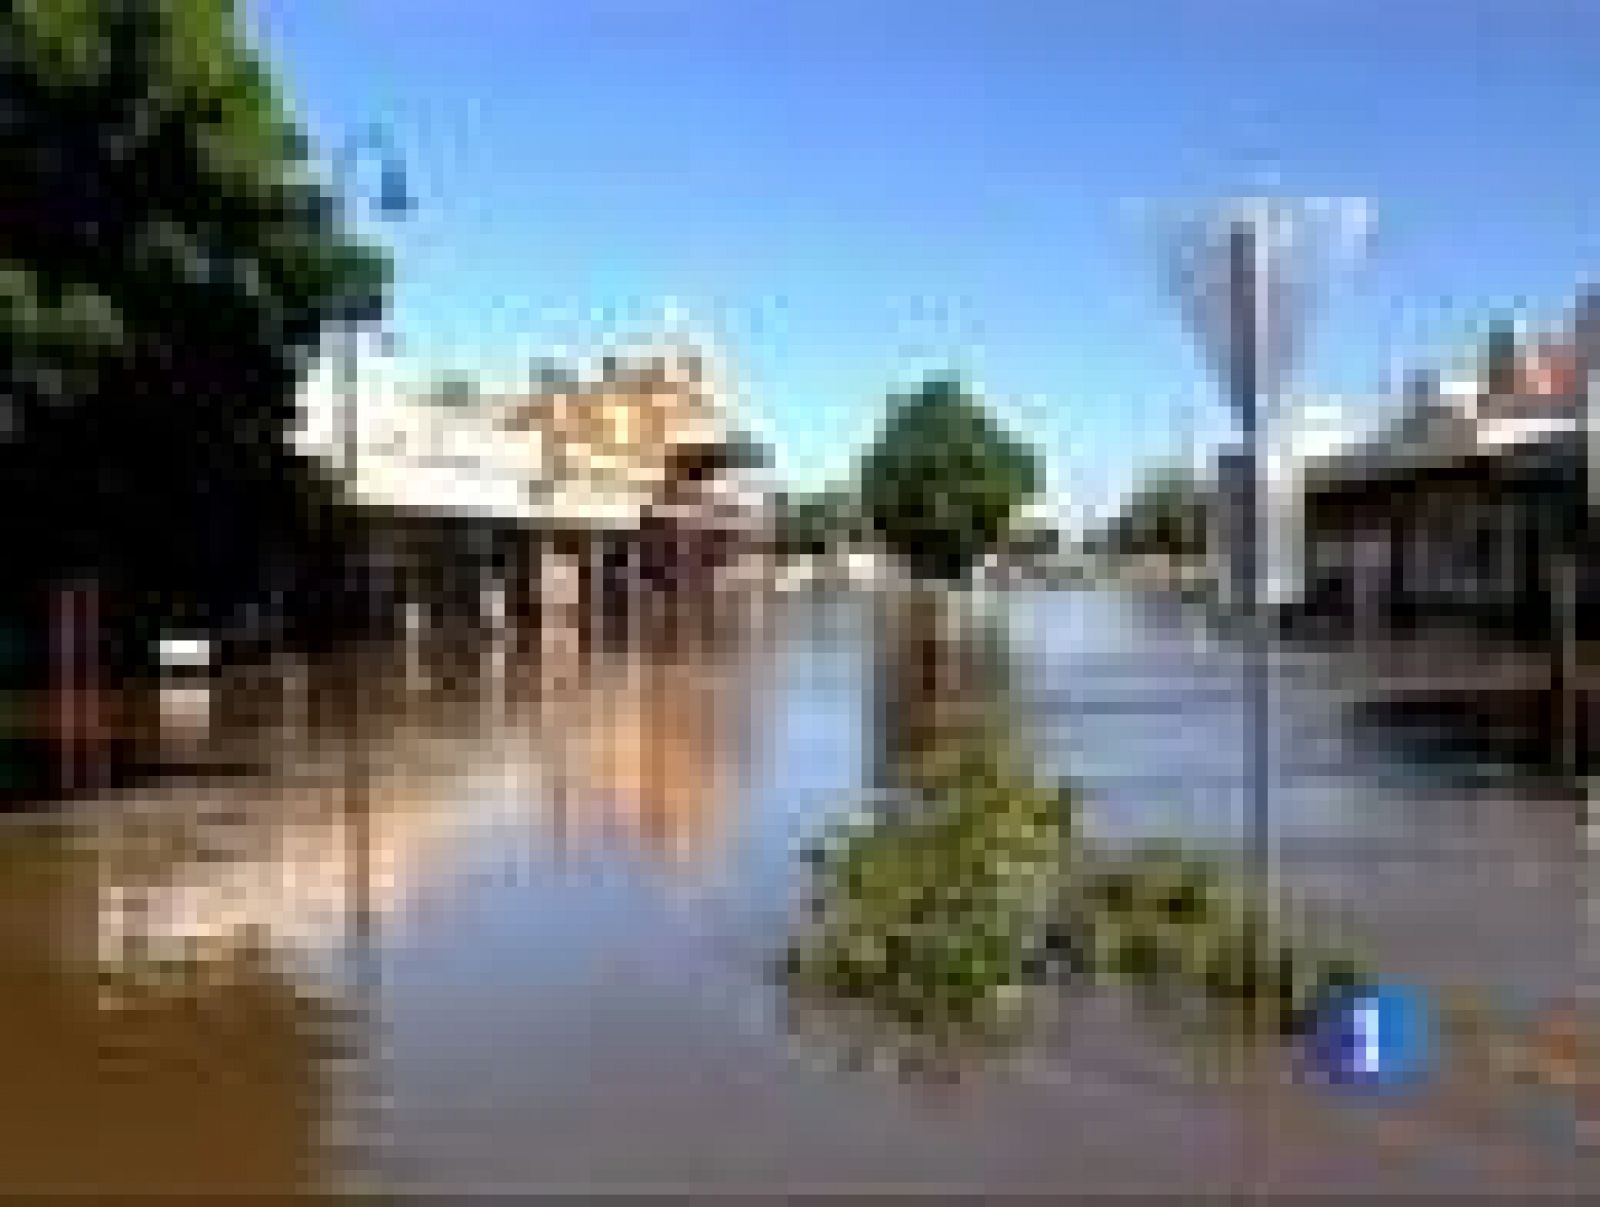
[581,456]
[1300,433]
[414,456]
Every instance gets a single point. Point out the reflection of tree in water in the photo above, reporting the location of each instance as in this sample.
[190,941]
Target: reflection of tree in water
[943,677]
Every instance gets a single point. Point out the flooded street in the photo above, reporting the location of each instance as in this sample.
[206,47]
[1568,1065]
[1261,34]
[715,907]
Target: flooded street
[504,919]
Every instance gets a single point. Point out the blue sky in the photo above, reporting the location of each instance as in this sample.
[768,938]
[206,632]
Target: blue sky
[851,192]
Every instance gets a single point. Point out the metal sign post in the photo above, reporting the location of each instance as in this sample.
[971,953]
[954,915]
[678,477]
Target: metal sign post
[1245,273]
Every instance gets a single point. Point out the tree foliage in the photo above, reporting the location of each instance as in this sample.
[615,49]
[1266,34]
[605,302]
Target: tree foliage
[1501,358]
[169,265]
[810,524]
[1167,515]
[943,480]
[455,390]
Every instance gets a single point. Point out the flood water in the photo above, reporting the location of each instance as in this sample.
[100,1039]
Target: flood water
[498,912]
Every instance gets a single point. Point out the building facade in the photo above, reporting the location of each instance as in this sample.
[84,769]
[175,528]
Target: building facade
[574,481]
[1473,508]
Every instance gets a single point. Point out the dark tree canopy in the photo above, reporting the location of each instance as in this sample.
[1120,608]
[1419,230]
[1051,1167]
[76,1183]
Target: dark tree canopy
[943,480]
[168,267]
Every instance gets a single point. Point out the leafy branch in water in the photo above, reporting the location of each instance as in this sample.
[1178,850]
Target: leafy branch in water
[1173,920]
[930,914]
[938,912]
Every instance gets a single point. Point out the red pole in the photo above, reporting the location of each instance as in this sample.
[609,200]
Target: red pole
[95,729]
[76,706]
[63,665]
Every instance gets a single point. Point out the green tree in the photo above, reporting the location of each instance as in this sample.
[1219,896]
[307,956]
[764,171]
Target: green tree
[169,266]
[1035,542]
[943,480]
[810,524]
[455,390]
[1501,358]
[1167,515]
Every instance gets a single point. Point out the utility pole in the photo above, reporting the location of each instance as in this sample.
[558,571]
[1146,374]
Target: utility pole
[1244,375]
[392,201]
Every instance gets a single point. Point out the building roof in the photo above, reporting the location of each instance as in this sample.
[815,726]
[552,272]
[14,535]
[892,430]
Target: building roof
[1461,419]
[590,449]
[624,420]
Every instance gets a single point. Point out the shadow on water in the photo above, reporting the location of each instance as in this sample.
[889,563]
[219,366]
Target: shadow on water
[1508,739]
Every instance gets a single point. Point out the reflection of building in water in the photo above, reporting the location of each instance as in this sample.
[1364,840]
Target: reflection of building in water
[201,883]
[222,1095]
[650,761]
[633,746]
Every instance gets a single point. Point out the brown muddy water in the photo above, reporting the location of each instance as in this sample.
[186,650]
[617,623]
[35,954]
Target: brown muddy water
[498,912]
